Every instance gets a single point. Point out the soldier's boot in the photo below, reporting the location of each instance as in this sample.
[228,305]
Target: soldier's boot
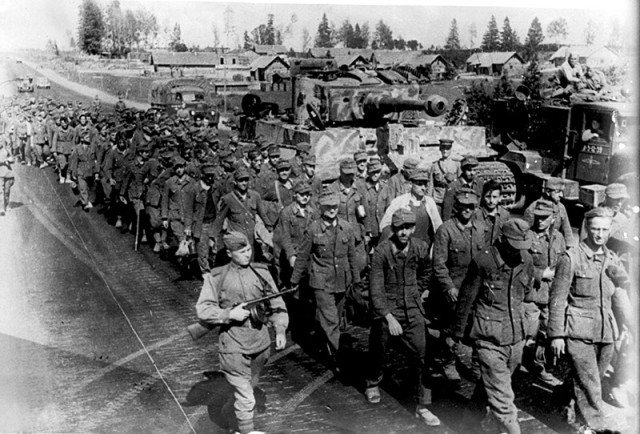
[451,372]
[372,394]
[61,180]
[163,240]
[426,416]
[119,222]
[158,242]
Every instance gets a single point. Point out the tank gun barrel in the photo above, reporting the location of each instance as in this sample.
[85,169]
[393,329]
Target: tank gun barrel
[379,105]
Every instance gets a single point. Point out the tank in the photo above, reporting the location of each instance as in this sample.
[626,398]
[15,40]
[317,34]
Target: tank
[380,111]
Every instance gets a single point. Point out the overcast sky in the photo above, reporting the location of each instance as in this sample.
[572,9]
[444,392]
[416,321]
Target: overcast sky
[29,23]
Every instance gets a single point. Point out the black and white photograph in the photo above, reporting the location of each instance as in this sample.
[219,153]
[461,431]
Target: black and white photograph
[308,217]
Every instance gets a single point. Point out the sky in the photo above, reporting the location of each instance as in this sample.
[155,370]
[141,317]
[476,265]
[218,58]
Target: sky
[30,23]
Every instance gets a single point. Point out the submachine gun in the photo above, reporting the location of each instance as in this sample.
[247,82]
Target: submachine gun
[259,311]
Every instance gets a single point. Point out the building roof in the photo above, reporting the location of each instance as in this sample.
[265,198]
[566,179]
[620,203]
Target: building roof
[269,49]
[185,59]
[582,51]
[486,60]
[383,57]
[264,62]
[349,60]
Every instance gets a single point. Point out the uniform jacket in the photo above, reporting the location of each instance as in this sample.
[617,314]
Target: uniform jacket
[174,198]
[442,173]
[115,166]
[291,226]
[450,194]
[229,285]
[40,132]
[492,225]
[580,298]
[377,200]
[137,178]
[196,205]
[397,281]
[453,249]
[398,185]
[350,200]
[156,188]
[240,213]
[493,294]
[64,140]
[331,268]
[545,251]
[561,221]
[83,162]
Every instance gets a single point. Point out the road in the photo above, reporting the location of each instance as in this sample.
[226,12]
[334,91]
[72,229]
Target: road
[93,339]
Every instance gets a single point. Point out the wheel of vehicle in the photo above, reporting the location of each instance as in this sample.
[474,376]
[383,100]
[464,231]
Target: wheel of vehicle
[251,104]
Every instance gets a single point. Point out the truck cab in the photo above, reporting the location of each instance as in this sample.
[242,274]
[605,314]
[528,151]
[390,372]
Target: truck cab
[196,94]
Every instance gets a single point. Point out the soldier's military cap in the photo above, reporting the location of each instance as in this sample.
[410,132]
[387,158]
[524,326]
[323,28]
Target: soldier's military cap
[178,161]
[247,147]
[466,196]
[348,166]
[516,232]
[419,175]
[144,147]
[301,187]
[234,139]
[241,173]
[303,147]
[86,138]
[283,164]
[228,157]
[274,151]
[359,156]
[616,191]
[264,145]
[403,216]
[208,169]
[446,143]
[167,155]
[554,183]
[309,160]
[235,240]
[469,160]
[374,166]
[329,198]
[543,208]
[410,164]
[598,212]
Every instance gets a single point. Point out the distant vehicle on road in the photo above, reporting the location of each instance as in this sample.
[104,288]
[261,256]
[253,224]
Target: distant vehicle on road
[18,60]
[196,93]
[25,84]
[43,83]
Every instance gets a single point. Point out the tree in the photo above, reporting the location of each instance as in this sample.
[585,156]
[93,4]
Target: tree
[400,43]
[453,40]
[216,36]
[491,38]
[114,42]
[323,36]
[306,39]
[413,45]
[383,36]
[131,30]
[346,34]
[558,29]
[176,38]
[90,27]
[509,40]
[248,43]
[147,28]
[590,33]
[473,34]
[361,36]
[533,80]
[269,32]
[615,38]
[534,39]
[52,47]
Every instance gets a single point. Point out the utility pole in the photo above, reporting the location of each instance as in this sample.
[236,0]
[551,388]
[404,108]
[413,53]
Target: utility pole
[229,30]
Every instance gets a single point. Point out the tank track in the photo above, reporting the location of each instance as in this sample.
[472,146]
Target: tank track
[500,172]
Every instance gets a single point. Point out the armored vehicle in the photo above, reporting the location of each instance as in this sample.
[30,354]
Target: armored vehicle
[196,93]
[381,111]
[25,84]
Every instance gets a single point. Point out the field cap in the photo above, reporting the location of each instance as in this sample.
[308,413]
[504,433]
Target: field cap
[419,175]
[466,196]
[374,166]
[543,208]
[301,187]
[348,166]
[515,231]
[403,216]
[241,173]
[208,169]
[274,151]
[409,164]
[617,191]
[446,143]
[554,183]
[178,161]
[359,156]
[329,198]
[283,164]
[469,160]
[309,160]
[235,241]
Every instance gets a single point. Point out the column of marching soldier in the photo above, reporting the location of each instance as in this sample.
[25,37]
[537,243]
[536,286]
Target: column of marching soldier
[427,254]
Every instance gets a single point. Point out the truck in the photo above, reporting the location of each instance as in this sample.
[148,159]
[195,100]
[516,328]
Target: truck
[197,94]
[25,84]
